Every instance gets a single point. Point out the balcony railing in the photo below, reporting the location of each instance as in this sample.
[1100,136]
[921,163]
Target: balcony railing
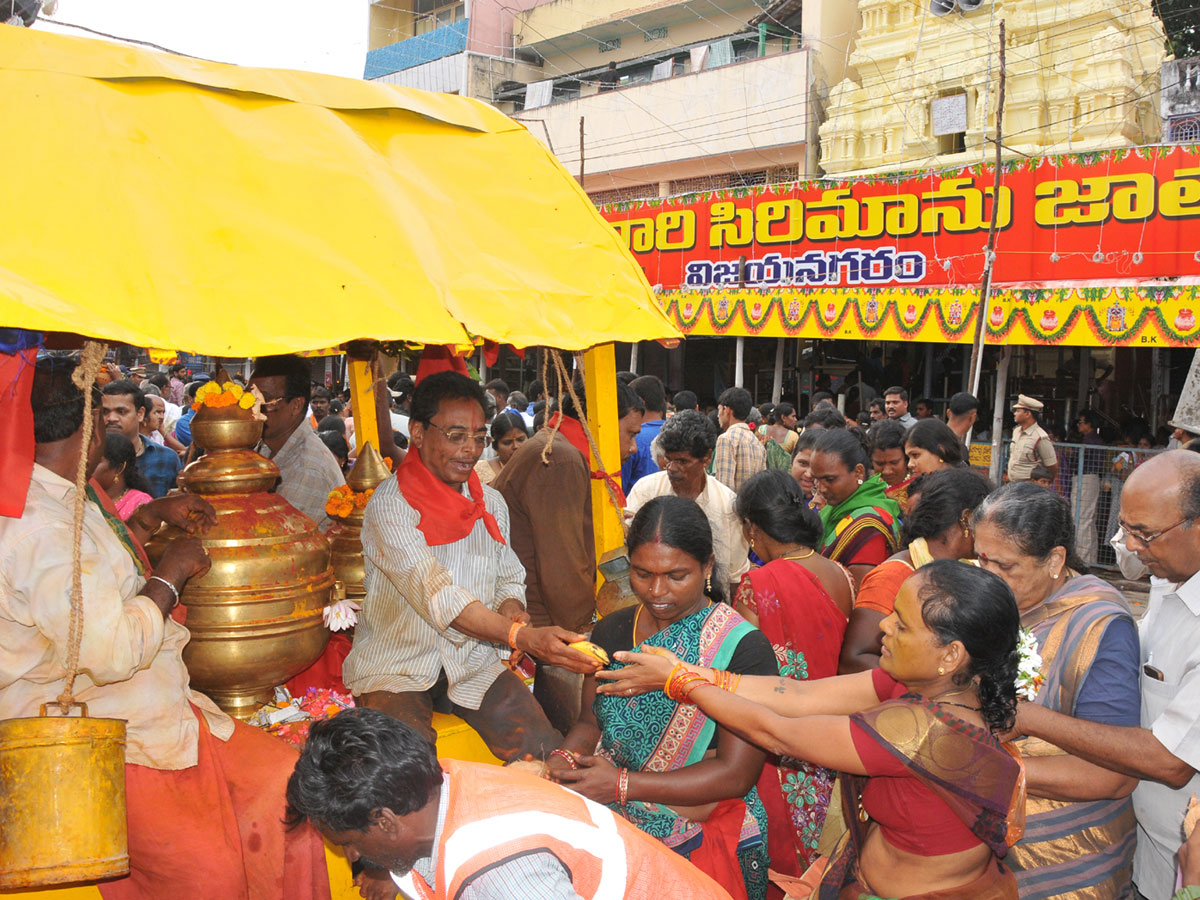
[424,48]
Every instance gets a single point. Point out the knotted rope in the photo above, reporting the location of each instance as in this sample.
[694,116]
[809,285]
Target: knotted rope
[564,378]
[83,378]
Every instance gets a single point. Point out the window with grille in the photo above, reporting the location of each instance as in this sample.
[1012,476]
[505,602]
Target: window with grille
[1184,130]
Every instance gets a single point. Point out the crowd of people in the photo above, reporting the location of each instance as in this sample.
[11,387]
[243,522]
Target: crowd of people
[849,667]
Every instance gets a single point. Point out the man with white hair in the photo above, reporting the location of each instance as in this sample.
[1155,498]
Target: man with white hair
[1160,506]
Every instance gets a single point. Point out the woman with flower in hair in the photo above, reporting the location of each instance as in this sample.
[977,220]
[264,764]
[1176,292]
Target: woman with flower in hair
[932,799]
[1081,827]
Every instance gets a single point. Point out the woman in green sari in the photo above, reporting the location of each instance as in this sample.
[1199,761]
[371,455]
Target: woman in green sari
[665,766]
[779,436]
[862,524]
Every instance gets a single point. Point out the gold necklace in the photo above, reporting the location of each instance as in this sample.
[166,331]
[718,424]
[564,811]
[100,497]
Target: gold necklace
[801,556]
[938,699]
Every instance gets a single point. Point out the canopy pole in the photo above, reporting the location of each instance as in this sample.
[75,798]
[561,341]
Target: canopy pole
[362,402]
[998,413]
[633,357]
[600,384]
[777,383]
[739,359]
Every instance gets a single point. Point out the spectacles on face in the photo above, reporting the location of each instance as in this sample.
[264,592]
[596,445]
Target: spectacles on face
[1148,539]
[678,464]
[270,404]
[459,436]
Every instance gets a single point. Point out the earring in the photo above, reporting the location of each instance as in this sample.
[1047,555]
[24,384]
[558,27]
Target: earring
[966,532]
[860,481]
[708,584]
[751,543]
[941,670]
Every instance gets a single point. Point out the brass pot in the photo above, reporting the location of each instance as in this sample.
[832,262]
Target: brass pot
[345,535]
[256,615]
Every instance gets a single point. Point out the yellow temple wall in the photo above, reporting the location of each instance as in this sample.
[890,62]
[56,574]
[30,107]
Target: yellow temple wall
[1081,76]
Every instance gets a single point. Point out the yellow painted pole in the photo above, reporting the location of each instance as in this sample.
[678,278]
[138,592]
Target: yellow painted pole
[362,402]
[600,382]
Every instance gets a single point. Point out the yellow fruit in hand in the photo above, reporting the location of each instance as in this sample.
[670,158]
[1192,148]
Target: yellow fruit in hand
[587,648]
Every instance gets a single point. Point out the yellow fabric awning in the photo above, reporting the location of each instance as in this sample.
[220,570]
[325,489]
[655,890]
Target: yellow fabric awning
[170,202]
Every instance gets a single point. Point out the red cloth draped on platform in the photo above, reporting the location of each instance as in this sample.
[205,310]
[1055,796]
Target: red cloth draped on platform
[215,831]
[447,515]
[326,672]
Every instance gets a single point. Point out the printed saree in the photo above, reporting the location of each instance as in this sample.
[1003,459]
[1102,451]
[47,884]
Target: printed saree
[851,524]
[779,456]
[1075,850]
[963,765]
[652,733]
[806,628]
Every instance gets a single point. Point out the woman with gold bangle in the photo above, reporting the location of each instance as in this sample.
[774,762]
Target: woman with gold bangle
[666,767]
[933,787]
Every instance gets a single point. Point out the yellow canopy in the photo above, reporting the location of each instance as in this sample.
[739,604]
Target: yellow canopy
[165,201]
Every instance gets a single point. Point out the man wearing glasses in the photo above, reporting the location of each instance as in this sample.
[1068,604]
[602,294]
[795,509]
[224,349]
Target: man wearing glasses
[445,591]
[1160,506]
[307,470]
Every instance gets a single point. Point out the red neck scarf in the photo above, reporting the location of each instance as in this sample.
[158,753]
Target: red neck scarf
[573,432]
[446,514]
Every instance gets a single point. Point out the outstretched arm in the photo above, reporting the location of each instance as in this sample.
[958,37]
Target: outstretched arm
[842,695]
[1128,750]
[821,739]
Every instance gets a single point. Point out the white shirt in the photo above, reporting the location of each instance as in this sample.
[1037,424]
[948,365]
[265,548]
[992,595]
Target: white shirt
[1170,636]
[130,658]
[717,501]
[403,639]
[171,415]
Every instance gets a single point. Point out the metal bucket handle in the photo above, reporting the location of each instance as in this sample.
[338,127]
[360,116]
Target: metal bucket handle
[64,709]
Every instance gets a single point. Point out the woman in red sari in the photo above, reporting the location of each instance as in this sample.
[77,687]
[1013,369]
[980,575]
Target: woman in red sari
[799,600]
[932,799]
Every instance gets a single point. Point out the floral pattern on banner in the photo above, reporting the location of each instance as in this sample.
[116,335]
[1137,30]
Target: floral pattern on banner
[1142,316]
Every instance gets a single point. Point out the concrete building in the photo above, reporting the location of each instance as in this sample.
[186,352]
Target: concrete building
[1080,78]
[462,47]
[1179,102]
[680,96]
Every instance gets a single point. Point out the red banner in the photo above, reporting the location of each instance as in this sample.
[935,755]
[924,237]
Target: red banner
[1117,215]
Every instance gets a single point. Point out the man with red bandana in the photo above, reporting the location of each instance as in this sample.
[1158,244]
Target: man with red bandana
[445,591]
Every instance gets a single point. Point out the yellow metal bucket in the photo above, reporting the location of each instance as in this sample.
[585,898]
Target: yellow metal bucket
[62,799]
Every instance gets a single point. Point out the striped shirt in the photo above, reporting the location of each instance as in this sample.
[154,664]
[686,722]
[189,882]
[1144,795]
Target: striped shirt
[403,640]
[308,471]
[530,876]
[739,454]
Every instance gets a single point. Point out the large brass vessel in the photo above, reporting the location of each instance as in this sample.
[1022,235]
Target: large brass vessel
[345,534]
[255,616]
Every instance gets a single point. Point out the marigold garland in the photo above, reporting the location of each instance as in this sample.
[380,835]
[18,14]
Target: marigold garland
[343,501]
[216,396]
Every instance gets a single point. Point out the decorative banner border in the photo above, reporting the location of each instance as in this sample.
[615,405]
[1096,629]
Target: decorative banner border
[1120,316]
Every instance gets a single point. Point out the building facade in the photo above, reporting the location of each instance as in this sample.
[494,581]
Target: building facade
[1080,77]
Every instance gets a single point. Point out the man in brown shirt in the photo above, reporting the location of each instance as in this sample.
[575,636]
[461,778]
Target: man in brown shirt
[550,504]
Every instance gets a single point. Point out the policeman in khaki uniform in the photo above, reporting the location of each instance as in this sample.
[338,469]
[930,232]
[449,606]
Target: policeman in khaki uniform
[1031,446]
